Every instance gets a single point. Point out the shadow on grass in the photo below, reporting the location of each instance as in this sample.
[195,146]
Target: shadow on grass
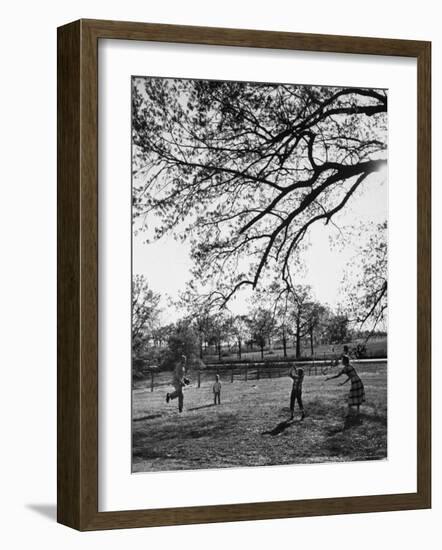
[279,428]
[166,439]
[147,454]
[148,417]
[201,407]
[353,421]
[349,422]
[375,417]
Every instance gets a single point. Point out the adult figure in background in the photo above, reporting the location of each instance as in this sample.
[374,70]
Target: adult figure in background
[179,380]
[356,395]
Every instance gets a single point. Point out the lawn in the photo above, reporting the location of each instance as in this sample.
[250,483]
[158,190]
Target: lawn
[251,427]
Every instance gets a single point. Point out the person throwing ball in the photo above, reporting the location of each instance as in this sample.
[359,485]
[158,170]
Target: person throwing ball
[297,375]
[178,382]
[356,395]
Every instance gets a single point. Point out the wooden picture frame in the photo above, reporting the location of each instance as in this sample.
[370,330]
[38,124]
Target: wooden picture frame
[78,274]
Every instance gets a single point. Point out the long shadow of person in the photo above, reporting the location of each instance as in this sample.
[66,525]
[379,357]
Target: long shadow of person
[148,417]
[279,428]
[351,421]
[201,407]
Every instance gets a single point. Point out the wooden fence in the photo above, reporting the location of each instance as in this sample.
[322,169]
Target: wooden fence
[251,371]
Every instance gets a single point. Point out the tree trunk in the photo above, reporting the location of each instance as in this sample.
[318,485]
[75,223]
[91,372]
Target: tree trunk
[311,341]
[284,345]
[239,348]
[298,339]
[219,351]
[262,351]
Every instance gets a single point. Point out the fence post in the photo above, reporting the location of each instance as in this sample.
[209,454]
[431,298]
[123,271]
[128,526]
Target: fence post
[199,378]
[151,380]
[231,375]
[247,373]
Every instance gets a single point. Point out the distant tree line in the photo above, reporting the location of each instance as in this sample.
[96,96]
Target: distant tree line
[275,318]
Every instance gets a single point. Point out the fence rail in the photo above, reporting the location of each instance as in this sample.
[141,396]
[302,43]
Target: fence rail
[251,371]
[373,350]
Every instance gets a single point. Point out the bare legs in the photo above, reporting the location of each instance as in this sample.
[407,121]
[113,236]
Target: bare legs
[174,395]
[296,397]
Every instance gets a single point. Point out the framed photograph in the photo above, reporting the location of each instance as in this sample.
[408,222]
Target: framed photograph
[243,275]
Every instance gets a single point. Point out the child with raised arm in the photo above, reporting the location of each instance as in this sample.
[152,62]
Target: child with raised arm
[297,375]
[356,395]
[217,391]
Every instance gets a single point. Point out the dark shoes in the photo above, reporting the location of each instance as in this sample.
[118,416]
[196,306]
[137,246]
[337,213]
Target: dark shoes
[167,398]
[302,415]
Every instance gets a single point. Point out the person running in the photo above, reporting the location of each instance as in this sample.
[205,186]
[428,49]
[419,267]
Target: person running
[217,391]
[297,375]
[356,395]
[178,382]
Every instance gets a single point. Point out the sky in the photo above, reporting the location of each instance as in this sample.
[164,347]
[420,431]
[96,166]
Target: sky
[166,263]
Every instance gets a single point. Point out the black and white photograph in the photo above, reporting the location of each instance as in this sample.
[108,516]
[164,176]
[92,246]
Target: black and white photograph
[259,274]
[219,254]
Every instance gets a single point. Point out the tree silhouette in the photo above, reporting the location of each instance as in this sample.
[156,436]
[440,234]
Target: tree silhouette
[316,314]
[244,170]
[261,325]
[145,312]
[367,293]
[240,326]
[337,329]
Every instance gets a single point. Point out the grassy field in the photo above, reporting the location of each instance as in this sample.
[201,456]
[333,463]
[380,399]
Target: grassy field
[251,427]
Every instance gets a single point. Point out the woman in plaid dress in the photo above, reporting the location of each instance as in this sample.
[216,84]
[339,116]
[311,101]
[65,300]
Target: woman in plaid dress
[356,395]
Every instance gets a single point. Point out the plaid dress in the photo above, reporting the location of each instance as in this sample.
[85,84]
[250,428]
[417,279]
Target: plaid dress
[356,395]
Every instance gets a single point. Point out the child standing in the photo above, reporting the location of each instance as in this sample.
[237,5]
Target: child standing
[297,375]
[217,391]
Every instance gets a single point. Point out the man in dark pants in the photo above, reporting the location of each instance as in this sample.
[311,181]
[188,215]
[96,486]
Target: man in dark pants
[297,375]
[178,382]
